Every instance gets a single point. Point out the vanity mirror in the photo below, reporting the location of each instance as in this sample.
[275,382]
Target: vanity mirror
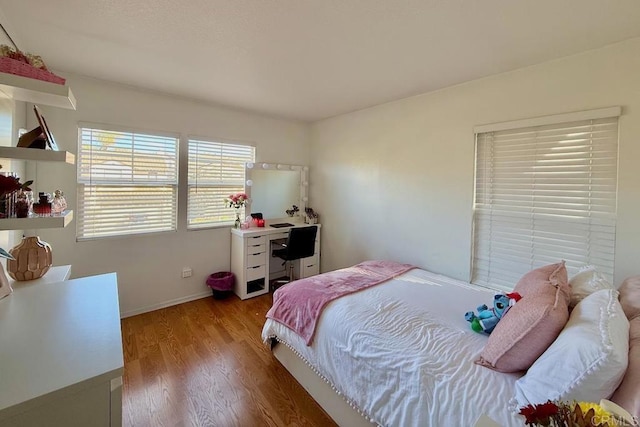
[274,187]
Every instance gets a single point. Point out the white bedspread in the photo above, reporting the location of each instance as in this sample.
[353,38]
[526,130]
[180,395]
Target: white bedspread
[402,353]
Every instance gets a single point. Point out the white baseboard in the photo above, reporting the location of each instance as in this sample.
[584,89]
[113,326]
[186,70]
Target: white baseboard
[164,304]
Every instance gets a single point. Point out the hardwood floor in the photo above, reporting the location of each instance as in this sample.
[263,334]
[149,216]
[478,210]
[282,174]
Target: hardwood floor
[203,363]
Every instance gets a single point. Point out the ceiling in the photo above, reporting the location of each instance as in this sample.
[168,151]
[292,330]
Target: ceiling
[309,59]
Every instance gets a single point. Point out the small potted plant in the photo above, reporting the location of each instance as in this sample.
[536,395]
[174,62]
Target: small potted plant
[294,210]
[310,216]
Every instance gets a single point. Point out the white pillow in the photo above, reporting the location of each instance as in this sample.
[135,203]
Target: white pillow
[587,281]
[588,359]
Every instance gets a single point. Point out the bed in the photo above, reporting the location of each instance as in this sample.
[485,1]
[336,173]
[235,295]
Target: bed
[398,353]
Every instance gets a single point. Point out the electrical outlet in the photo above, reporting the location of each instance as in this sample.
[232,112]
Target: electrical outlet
[186,272]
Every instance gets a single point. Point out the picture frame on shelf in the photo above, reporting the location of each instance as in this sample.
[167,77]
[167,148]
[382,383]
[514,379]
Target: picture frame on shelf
[32,139]
[48,136]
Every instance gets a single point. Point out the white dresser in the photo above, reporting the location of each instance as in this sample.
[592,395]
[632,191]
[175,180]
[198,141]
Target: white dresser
[61,358]
[253,265]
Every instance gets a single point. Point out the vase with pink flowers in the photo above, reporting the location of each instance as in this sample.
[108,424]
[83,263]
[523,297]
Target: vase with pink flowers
[236,201]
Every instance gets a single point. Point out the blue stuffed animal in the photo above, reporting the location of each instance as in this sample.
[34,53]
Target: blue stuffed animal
[488,318]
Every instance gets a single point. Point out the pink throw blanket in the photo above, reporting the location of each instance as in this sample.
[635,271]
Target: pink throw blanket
[299,304]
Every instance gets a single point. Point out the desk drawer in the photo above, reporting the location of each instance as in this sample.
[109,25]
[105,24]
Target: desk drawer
[256,249]
[254,260]
[256,272]
[313,259]
[310,267]
[279,236]
[255,240]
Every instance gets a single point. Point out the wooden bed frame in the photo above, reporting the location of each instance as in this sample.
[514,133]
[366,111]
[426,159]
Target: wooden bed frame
[333,404]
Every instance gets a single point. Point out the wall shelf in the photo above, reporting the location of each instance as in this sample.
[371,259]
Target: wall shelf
[37,91]
[36,222]
[44,93]
[37,155]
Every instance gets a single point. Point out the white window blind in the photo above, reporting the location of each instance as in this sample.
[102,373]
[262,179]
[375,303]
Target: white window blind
[127,183]
[543,194]
[216,170]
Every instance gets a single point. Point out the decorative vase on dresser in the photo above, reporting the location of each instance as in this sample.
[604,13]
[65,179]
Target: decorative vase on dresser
[32,259]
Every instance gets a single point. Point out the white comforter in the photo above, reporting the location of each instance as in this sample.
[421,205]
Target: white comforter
[402,353]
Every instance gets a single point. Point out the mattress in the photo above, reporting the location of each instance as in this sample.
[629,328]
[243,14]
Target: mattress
[402,354]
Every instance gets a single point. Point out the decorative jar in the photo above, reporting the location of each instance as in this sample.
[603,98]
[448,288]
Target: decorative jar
[59,203]
[43,207]
[33,259]
[22,206]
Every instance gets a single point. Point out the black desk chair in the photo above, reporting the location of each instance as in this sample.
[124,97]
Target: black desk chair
[301,243]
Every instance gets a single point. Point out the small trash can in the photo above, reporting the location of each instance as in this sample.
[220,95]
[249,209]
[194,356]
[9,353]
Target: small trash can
[221,283]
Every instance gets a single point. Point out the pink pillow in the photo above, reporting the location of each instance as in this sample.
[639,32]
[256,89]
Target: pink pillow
[531,325]
[538,280]
[630,296]
[628,393]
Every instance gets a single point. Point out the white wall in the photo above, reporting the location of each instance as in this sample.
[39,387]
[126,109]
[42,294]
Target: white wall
[149,267]
[396,181]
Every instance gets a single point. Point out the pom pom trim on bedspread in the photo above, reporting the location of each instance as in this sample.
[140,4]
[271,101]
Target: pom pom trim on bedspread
[349,402]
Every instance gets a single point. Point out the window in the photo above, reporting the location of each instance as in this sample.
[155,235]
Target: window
[216,170]
[127,183]
[545,190]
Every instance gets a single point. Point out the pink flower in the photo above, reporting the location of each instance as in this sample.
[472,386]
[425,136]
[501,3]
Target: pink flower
[539,414]
[9,184]
[236,201]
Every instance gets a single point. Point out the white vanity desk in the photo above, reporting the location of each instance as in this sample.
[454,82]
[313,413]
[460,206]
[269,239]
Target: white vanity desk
[252,263]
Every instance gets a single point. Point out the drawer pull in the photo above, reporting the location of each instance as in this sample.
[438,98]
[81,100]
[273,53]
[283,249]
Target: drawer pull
[255,240]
